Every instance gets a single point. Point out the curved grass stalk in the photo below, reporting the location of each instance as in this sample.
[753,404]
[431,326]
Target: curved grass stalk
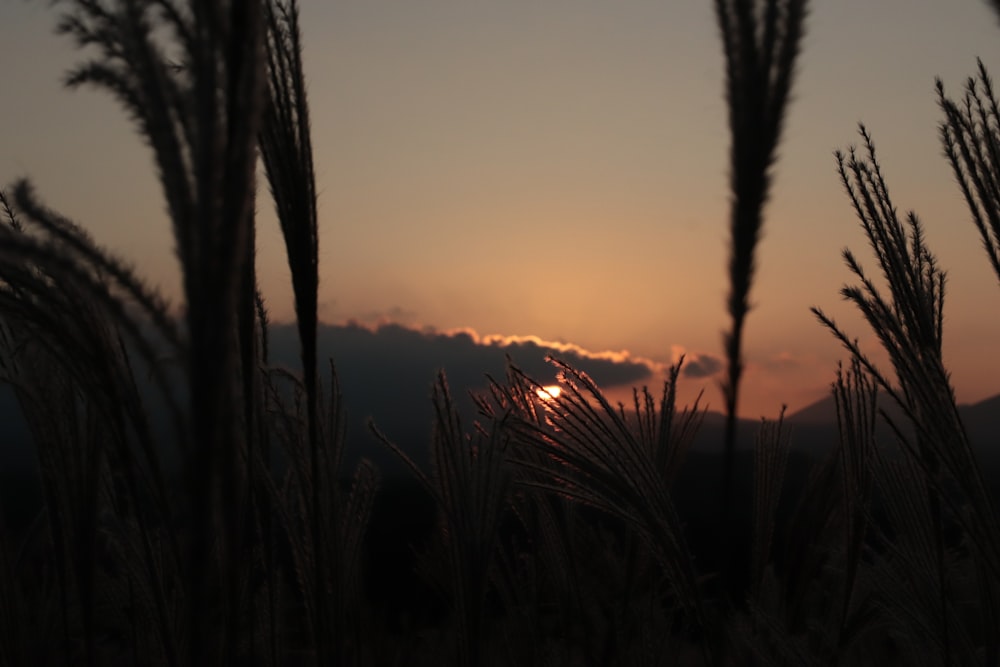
[470,481]
[909,325]
[579,446]
[286,150]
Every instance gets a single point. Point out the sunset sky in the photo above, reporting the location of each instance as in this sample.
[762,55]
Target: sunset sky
[558,169]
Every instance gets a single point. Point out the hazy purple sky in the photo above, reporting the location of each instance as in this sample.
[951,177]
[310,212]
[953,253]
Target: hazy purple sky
[558,169]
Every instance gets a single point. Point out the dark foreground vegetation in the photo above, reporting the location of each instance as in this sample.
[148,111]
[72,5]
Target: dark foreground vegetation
[552,530]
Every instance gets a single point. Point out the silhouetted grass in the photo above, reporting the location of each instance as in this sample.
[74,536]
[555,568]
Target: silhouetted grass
[555,530]
[936,495]
[761,41]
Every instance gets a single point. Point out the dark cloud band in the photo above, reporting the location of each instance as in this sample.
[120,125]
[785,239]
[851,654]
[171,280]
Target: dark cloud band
[392,353]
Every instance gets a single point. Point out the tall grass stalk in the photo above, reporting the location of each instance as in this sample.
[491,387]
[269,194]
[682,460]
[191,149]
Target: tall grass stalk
[970,134]
[286,150]
[201,120]
[251,560]
[770,462]
[855,394]
[65,322]
[761,41]
[909,325]
[238,84]
[618,461]
[470,482]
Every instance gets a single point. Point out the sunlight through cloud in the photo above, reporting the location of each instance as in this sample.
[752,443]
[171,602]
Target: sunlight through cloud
[548,392]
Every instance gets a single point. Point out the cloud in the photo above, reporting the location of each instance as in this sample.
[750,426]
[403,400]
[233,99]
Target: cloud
[607,368]
[386,371]
[701,366]
[394,314]
[392,352]
[695,365]
[782,361]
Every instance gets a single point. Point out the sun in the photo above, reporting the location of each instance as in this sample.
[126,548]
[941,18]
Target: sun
[548,392]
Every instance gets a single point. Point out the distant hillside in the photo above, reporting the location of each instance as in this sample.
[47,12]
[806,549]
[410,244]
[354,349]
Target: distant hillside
[403,411]
[813,429]
[816,424]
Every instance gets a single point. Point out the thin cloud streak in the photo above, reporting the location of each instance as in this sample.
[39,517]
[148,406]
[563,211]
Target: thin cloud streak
[556,347]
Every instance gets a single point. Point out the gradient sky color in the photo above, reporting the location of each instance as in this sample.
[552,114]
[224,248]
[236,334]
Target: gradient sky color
[558,168]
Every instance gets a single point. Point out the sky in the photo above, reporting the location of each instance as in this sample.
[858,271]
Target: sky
[557,169]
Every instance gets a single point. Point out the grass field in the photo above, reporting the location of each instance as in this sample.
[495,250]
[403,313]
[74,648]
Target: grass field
[194,502]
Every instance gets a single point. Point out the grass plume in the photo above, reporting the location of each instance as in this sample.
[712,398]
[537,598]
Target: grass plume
[761,42]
